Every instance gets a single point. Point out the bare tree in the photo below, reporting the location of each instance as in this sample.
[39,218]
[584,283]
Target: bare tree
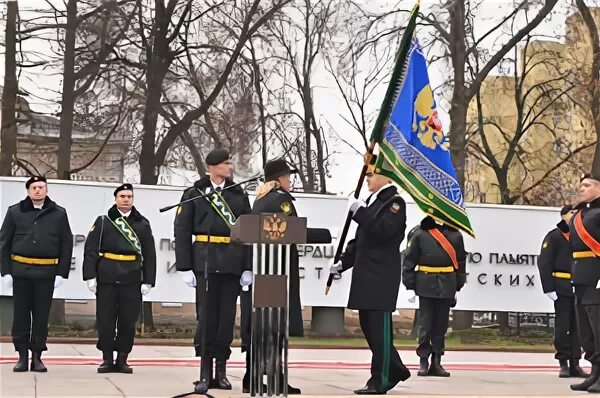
[78,77]
[540,89]
[304,35]
[592,78]
[8,136]
[160,52]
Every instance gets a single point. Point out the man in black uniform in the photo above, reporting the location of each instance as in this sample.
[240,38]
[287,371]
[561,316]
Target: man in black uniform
[554,263]
[434,267]
[584,235]
[119,265]
[208,223]
[36,245]
[274,197]
[374,255]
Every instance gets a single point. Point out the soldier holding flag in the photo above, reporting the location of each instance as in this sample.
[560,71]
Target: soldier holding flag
[374,255]
[413,152]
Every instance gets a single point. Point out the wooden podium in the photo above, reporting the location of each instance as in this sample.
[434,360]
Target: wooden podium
[272,236]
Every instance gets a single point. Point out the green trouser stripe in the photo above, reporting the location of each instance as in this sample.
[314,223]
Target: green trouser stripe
[387,341]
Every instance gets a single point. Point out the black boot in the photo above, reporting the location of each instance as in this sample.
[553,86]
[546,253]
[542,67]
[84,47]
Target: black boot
[423,367]
[36,362]
[564,369]
[293,390]
[595,388]
[221,376]
[436,368]
[121,365]
[575,370]
[107,364]
[205,376]
[21,365]
[584,385]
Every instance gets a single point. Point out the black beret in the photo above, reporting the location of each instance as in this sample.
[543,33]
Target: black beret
[565,210]
[217,156]
[34,179]
[277,168]
[591,176]
[124,187]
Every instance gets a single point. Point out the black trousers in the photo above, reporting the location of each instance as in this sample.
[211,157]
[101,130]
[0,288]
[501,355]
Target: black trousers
[219,320]
[32,299]
[386,366]
[566,335]
[117,311]
[588,321]
[433,324]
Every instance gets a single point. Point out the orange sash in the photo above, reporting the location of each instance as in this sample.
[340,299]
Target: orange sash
[447,246]
[585,235]
[565,234]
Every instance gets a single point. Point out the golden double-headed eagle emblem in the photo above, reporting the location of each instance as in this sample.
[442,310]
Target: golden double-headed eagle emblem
[274,227]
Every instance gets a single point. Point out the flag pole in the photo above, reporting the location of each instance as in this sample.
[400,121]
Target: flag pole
[380,124]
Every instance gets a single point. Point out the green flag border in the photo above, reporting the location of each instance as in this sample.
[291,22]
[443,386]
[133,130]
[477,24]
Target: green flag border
[428,201]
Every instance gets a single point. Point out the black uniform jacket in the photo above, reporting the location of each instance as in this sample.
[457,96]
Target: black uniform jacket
[424,250]
[104,237]
[198,217]
[281,201]
[586,271]
[556,256]
[374,253]
[39,234]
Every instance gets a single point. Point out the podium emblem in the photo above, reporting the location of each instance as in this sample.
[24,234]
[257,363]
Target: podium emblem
[274,227]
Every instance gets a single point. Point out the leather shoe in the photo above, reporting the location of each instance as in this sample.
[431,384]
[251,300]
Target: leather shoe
[368,390]
[221,376]
[107,365]
[36,363]
[423,367]
[21,365]
[293,390]
[121,364]
[588,382]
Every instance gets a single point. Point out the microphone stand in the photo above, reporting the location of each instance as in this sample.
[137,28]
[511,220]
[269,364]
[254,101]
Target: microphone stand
[204,306]
[204,195]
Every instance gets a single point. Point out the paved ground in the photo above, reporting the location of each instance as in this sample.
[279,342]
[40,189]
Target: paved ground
[162,371]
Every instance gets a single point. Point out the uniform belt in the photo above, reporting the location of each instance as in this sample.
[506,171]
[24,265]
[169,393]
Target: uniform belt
[435,270]
[34,261]
[561,275]
[586,254]
[119,257]
[213,239]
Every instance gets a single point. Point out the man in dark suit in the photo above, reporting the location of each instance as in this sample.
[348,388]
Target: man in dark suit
[374,255]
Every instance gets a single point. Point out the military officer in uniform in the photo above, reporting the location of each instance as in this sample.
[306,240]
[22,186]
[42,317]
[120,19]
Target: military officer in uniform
[119,265]
[374,255]
[274,197]
[36,245]
[434,267]
[202,238]
[554,263]
[584,235]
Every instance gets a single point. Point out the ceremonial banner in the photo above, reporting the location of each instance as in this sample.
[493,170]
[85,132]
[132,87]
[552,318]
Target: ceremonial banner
[415,150]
